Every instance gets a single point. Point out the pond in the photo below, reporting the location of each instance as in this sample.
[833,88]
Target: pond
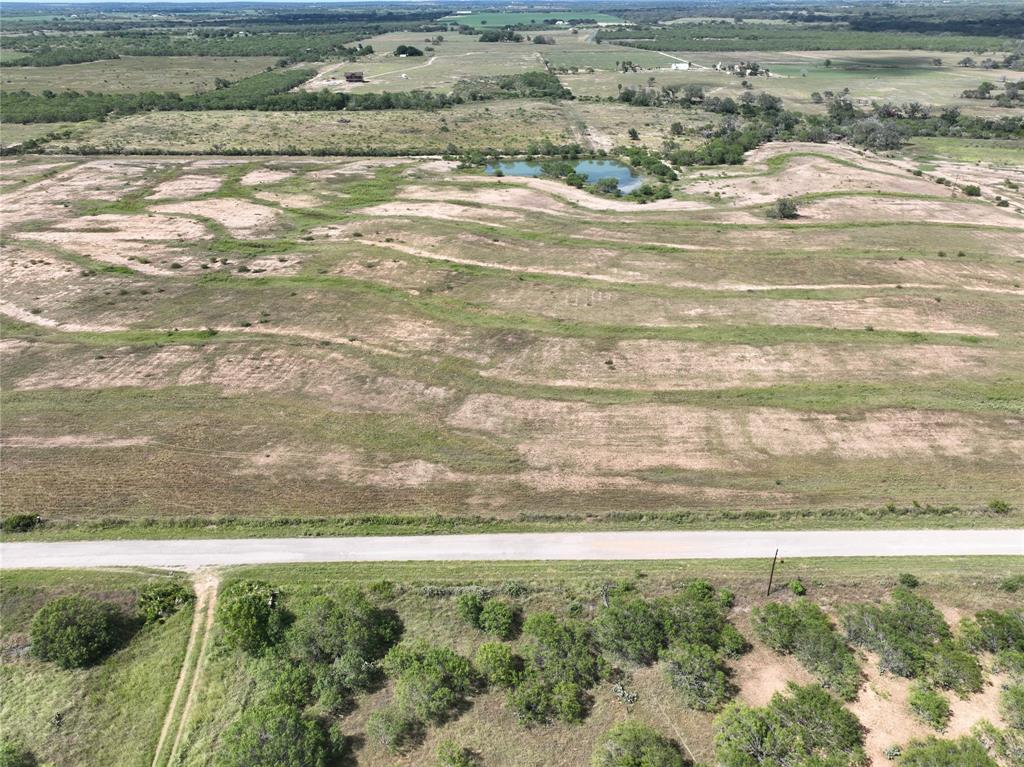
[593,170]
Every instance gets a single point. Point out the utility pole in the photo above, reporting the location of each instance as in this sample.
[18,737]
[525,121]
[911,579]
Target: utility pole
[771,576]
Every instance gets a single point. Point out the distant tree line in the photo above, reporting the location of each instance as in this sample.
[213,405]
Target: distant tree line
[269,92]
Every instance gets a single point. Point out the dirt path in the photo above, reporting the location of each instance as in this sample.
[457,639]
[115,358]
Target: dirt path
[205,584]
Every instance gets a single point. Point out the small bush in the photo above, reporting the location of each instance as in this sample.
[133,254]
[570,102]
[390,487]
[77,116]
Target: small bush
[806,726]
[1011,706]
[159,601]
[929,706]
[933,752]
[631,628]
[347,625]
[797,587]
[250,617]
[1012,584]
[909,581]
[951,667]
[394,728]
[804,630]
[432,682]
[902,632]
[20,523]
[74,631]
[992,631]
[498,665]
[469,606]
[274,736]
[1010,662]
[632,744]
[451,754]
[971,190]
[498,618]
[699,676]
[12,755]
[784,208]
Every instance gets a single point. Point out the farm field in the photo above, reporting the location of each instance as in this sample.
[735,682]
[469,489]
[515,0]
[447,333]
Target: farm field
[135,74]
[305,305]
[429,344]
[510,126]
[426,600]
[894,76]
[531,18]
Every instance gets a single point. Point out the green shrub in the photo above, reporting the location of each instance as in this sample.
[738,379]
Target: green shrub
[431,682]
[20,523]
[1011,706]
[394,728]
[934,752]
[631,628]
[697,673]
[539,700]
[498,665]
[74,631]
[697,615]
[12,755]
[274,735]
[349,626]
[250,617]
[159,601]
[807,726]
[930,707]
[909,581]
[783,208]
[632,744]
[802,629]
[498,618]
[971,190]
[561,663]
[1010,662]
[992,631]
[951,667]
[797,587]
[284,682]
[564,650]
[1012,584]
[469,606]
[451,754]
[903,632]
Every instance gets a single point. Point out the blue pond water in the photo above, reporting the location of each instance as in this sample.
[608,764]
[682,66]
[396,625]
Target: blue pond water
[594,170]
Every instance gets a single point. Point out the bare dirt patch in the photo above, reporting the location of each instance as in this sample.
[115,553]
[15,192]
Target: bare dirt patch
[761,673]
[668,365]
[241,218]
[73,441]
[502,196]
[442,210]
[809,175]
[289,200]
[850,209]
[265,176]
[119,226]
[188,185]
[628,438]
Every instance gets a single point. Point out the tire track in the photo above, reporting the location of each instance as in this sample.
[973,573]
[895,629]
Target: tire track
[205,584]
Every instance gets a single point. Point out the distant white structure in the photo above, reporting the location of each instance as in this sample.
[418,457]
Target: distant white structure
[681,65]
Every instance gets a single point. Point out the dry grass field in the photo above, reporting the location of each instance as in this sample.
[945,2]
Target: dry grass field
[430,343]
[135,74]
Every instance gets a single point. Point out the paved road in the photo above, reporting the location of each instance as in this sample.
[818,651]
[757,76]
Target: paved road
[192,554]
